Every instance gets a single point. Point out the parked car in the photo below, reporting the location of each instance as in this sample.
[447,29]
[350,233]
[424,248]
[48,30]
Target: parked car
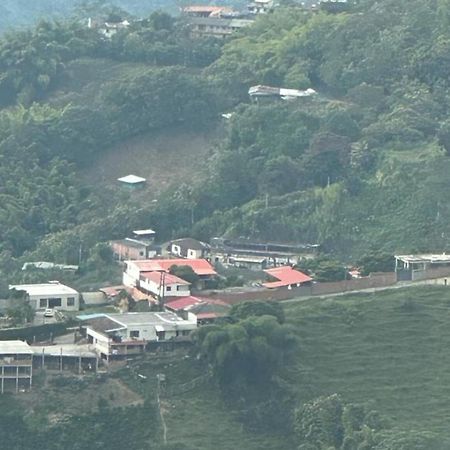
[49,313]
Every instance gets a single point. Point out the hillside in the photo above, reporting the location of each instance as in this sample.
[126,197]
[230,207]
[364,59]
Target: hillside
[387,351]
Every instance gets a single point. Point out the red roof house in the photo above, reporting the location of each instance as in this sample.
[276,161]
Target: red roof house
[200,266]
[286,276]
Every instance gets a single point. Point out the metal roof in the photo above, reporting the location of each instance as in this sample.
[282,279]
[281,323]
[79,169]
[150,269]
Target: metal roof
[144,232]
[68,350]
[131,179]
[15,348]
[429,258]
[149,318]
[51,289]
[166,278]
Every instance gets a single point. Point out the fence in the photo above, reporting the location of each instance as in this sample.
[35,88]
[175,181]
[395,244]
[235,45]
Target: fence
[373,281]
[428,274]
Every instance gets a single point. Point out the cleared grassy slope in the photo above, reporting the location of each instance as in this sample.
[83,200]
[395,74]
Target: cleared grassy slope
[390,349]
[193,409]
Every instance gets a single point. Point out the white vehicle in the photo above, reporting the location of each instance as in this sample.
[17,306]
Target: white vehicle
[49,312]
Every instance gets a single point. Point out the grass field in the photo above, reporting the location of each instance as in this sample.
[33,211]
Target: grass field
[390,349]
[193,409]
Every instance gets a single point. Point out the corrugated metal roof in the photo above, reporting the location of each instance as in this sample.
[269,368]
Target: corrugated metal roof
[15,348]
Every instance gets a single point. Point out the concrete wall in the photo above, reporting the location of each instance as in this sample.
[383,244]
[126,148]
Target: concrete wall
[94,298]
[438,272]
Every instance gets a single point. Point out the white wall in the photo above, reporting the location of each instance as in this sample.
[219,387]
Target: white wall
[170,290]
[35,301]
[101,342]
[194,254]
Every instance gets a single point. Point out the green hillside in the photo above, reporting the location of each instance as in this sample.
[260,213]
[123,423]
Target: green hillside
[388,349]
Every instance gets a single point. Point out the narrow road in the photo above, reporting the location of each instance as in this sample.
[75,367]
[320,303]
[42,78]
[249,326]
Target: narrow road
[161,415]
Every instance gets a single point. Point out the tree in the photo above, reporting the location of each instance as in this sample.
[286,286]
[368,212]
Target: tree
[241,311]
[376,262]
[186,273]
[329,423]
[246,353]
[21,312]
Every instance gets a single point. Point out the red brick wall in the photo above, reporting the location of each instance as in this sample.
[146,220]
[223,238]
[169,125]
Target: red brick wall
[375,280]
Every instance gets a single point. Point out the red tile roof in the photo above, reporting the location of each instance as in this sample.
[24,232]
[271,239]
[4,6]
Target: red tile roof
[199,266]
[286,276]
[182,303]
[168,278]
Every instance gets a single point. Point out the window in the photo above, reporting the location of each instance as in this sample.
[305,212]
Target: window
[168,288]
[54,302]
[70,301]
[134,333]
[161,335]
[43,303]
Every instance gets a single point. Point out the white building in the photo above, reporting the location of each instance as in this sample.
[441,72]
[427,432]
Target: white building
[16,365]
[163,284]
[50,295]
[260,6]
[122,334]
[189,248]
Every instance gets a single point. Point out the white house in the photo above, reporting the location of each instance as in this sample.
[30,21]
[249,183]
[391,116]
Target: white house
[189,248]
[50,295]
[163,284]
[122,334]
[133,269]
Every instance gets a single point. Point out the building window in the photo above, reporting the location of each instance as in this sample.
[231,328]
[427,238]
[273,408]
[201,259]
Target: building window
[43,303]
[168,288]
[161,335]
[54,302]
[70,301]
[134,334]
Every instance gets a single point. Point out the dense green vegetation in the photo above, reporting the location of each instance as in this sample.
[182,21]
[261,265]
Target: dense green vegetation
[341,168]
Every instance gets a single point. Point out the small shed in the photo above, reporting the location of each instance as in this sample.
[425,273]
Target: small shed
[132,181]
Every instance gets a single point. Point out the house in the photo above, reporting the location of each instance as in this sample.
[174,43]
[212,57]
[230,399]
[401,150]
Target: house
[247,262]
[216,27]
[123,334]
[286,276]
[228,251]
[109,29]
[147,235]
[132,181]
[260,6]
[189,248]
[204,310]
[50,295]
[46,265]
[132,249]
[268,92]
[206,11]
[16,366]
[163,284]
[415,267]
[134,269]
